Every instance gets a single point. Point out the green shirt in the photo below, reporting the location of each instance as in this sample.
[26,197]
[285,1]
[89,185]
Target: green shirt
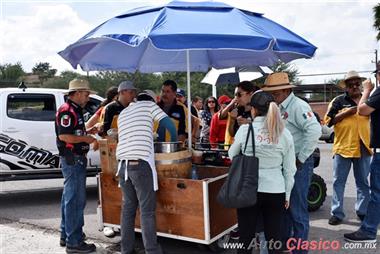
[277,162]
[302,124]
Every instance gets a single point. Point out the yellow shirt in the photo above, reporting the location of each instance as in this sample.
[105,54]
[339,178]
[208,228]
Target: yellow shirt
[349,132]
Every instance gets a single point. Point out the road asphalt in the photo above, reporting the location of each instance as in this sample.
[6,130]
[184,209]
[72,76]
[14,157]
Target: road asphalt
[30,228]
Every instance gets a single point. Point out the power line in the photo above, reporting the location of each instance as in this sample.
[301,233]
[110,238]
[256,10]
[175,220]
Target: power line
[331,73]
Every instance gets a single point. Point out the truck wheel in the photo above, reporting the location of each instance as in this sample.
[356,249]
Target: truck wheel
[317,193]
[331,138]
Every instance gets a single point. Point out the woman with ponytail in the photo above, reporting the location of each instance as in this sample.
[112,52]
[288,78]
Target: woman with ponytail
[277,166]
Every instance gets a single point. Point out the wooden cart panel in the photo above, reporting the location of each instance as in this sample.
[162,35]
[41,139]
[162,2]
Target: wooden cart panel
[185,207]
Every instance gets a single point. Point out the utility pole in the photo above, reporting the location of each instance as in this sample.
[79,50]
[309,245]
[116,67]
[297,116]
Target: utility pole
[377,81]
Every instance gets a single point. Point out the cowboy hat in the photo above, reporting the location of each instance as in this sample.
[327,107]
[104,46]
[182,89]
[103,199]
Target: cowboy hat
[79,85]
[277,81]
[350,75]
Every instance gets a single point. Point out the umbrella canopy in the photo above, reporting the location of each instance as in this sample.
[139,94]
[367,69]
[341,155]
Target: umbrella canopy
[155,39]
[186,36]
[234,75]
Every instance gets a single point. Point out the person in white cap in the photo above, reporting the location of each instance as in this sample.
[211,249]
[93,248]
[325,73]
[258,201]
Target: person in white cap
[369,105]
[306,130]
[351,146]
[127,93]
[136,170]
[73,144]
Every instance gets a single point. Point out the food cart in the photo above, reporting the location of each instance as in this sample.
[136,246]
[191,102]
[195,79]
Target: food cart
[187,208]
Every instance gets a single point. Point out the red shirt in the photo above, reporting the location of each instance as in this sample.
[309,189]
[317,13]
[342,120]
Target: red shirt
[217,129]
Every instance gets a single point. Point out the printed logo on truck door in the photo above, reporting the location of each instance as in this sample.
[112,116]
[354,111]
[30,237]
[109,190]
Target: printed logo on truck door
[18,155]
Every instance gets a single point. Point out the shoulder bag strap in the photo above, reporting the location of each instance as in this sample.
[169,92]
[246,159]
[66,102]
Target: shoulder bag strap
[250,130]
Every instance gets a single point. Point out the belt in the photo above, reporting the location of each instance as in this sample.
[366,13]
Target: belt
[133,162]
[376,150]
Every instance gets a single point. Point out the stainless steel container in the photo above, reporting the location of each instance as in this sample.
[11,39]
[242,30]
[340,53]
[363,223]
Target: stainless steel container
[167,147]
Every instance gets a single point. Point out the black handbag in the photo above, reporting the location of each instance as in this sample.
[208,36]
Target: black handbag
[240,188]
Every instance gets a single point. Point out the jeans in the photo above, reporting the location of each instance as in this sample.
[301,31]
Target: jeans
[73,200]
[138,191]
[341,170]
[372,218]
[297,216]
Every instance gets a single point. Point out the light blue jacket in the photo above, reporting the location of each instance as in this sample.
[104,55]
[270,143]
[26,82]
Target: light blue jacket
[302,124]
[277,162]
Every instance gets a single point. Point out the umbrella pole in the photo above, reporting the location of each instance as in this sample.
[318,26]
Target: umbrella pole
[188,100]
[214,90]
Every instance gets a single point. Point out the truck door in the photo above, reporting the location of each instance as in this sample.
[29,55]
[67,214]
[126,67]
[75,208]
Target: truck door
[27,134]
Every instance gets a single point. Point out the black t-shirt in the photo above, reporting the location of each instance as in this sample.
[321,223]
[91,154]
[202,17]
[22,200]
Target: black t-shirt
[111,115]
[242,113]
[374,102]
[69,120]
[177,112]
[339,103]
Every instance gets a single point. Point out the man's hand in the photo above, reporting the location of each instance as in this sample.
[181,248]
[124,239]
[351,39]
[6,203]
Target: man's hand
[93,130]
[89,139]
[299,164]
[234,113]
[286,205]
[367,85]
[352,110]
[241,120]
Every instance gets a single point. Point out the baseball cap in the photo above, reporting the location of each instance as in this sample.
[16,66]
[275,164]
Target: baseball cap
[126,85]
[224,99]
[149,93]
[181,92]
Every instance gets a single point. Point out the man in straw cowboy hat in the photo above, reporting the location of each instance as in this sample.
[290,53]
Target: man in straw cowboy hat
[370,106]
[73,144]
[305,129]
[351,146]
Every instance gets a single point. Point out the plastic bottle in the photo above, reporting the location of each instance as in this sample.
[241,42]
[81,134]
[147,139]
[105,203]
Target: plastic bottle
[194,173]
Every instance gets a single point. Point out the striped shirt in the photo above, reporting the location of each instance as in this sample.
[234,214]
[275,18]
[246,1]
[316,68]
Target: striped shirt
[136,130]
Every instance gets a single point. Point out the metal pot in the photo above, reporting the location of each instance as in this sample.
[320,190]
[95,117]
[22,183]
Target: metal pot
[167,147]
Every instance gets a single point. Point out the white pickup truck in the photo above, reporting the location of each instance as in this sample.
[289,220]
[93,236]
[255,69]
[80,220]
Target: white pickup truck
[27,137]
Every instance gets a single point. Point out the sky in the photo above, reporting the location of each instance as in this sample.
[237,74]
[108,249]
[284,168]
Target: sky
[34,31]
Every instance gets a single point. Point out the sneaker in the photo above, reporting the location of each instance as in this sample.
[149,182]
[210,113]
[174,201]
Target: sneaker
[359,236]
[335,220]
[83,247]
[360,216]
[234,234]
[107,231]
[62,241]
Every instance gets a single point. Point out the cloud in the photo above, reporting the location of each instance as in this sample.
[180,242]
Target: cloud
[342,31]
[37,37]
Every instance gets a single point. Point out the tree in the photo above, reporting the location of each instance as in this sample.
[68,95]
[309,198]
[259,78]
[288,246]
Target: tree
[334,81]
[44,71]
[376,23]
[11,74]
[282,67]
[62,80]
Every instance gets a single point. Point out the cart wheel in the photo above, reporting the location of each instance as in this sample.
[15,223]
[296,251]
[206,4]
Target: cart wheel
[218,245]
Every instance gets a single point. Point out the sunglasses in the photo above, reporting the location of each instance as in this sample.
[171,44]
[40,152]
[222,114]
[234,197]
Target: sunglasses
[353,83]
[210,101]
[239,94]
